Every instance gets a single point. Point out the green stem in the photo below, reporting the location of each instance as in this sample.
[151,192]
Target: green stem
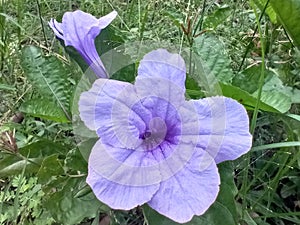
[42,23]
[3,39]
[253,35]
[200,21]
[255,113]
[20,18]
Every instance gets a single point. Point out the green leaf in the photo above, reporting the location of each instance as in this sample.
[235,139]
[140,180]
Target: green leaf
[247,79]
[51,166]
[293,93]
[228,189]
[269,10]
[49,76]
[274,92]
[217,17]
[42,149]
[67,209]
[276,145]
[86,146]
[288,12]
[75,161]
[13,165]
[215,60]
[45,109]
[277,100]
[294,116]
[244,98]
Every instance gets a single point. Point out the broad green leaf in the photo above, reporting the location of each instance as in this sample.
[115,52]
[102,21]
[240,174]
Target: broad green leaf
[75,161]
[13,165]
[49,76]
[247,79]
[293,93]
[228,190]
[274,83]
[42,149]
[86,146]
[244,98]
[217,17]
[288,12]
[269,10]
[274,92]
[67,209]
[193,90]
[277,100]
[44,108]
[294,116]
[51,166]
[215,60]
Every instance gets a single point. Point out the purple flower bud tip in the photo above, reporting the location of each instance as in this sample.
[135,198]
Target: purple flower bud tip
[80,29]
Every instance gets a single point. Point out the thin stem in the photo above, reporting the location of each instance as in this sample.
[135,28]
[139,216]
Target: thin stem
[20,17]
[3,36]
[42,23]
[200,21]
[255,113]
[253,35]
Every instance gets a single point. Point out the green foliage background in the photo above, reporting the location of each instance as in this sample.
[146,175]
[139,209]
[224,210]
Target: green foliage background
[251,47]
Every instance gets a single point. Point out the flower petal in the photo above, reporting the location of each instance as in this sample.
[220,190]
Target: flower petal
[162,64]
[223,128]
[76,26]
[162,75]
[189,192]
[113,109]
[120,177]
[104,21]
[80,29]
[57,28]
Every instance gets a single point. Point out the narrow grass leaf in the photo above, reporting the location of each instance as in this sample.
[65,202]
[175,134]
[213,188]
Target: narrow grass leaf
[276,145]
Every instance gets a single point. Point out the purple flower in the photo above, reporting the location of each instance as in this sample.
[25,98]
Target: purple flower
[157,148]
[80,29]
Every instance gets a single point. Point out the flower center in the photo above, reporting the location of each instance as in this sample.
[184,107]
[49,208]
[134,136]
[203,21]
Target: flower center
[156,133]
